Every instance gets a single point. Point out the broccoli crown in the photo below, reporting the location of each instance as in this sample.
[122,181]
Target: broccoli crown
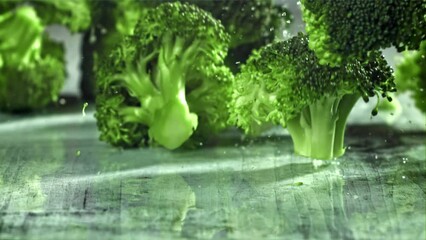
[281,79]
[34,84]
[164,79]
[74,14]
[343,29]
[411,75]
[23,24]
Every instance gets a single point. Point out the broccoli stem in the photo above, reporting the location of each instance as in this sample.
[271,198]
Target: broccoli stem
[318,131]
[173,122]
[344,109]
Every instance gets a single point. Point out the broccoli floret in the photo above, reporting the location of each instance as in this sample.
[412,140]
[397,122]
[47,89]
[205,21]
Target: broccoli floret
[410,75]
[74,14]
[20,36]
[35,84]
[32,70]
[283,83]
[340,30]
[151,86]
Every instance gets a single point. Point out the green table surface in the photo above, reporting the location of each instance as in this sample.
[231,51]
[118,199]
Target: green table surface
[57,181]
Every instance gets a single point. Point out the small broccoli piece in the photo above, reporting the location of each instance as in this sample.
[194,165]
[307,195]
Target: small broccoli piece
[20,36]
[283,83]
[35,84]
[74,14]
[410,75]
[341,30]
[151,87]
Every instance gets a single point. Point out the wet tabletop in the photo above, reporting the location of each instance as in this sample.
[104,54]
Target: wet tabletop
[57,181]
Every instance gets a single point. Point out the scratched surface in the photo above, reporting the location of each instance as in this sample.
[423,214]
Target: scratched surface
[57,181]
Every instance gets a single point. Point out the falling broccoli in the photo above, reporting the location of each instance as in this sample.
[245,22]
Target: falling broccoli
[341,30]
[32,67]
[283,83]
[165,81]
[32,70]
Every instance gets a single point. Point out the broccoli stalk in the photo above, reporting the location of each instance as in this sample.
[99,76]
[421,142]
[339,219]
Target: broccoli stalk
[284,83]
[165,109]
[318,130]
[176,51]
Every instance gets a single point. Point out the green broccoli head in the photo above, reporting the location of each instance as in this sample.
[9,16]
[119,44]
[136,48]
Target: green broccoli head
[349,29]
[35,84]
[283,83]
[155,80]
[20,36]
[410,75]
[74,14]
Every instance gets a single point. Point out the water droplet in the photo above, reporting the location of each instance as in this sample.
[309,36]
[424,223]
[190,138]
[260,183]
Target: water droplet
[376,157]
[62,101]
[403,177]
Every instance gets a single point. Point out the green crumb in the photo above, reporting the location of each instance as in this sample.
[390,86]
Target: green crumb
[298,183]
[83,111]
[78,153]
